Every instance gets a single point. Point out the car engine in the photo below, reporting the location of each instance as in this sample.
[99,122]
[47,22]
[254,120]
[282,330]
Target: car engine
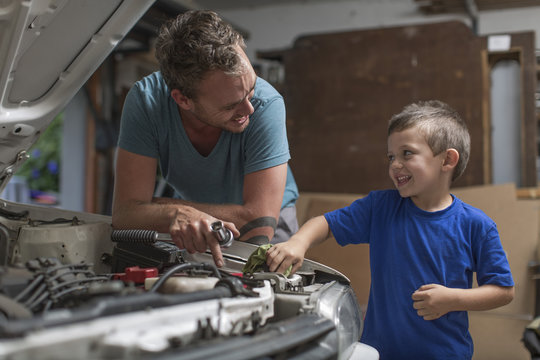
[71,288]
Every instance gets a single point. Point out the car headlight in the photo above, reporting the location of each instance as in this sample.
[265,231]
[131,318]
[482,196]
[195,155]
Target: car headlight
[338,303]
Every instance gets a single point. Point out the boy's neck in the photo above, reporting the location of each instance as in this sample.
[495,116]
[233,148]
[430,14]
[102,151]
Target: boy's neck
[433,203]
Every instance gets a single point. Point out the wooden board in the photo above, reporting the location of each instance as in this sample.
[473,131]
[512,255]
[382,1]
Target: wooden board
[342,88]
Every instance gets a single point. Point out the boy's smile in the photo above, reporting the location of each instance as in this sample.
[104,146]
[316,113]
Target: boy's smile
[402,180]
[416,172]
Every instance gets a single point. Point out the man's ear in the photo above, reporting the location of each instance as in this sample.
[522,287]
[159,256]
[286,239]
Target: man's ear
[451,159]
[183,101]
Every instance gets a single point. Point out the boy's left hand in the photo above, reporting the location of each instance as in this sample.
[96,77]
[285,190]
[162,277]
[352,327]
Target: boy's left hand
[432,301]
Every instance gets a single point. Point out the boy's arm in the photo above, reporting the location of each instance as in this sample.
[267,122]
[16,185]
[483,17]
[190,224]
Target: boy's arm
[280,256]
[433,300]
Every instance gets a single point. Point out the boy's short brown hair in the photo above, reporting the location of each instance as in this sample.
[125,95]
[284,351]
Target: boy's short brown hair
[441,126]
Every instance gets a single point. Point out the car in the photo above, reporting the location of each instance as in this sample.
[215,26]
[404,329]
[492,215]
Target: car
[72,287]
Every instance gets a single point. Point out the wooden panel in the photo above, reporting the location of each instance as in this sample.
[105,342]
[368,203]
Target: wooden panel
[497,337]
[341,89]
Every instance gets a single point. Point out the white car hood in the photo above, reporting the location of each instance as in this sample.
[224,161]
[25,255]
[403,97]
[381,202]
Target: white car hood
[48,50]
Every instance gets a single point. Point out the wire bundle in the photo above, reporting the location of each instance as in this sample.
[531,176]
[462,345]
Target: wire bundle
[54,284]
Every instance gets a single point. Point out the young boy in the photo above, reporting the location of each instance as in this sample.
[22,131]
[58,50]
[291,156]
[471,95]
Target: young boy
[424,242]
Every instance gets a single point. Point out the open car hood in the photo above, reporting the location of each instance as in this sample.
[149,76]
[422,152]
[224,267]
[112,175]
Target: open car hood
[48,50]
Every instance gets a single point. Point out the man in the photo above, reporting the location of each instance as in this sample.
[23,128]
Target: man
[217,132]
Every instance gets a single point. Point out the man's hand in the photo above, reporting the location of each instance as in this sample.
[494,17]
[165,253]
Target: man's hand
[191,230]
[433,301]
[280,256]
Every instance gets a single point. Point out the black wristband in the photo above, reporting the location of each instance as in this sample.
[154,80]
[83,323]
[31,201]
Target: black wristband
[259,222]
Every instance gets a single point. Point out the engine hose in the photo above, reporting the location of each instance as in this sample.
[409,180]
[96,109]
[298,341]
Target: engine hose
[223,235]
[135,236]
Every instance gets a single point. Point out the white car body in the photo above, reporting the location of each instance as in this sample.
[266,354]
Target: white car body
[60,295]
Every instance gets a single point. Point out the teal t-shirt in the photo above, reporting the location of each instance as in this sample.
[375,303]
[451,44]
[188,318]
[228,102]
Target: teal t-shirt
[151,126]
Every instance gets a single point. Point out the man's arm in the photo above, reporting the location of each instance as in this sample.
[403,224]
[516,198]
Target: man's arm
[134,184]
[133,208]
[263,194]
[432,301]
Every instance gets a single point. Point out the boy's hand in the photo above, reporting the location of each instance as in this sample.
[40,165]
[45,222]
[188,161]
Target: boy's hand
[280,256]
[433,301]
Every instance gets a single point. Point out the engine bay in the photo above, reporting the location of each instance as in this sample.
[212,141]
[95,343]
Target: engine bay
[70,289]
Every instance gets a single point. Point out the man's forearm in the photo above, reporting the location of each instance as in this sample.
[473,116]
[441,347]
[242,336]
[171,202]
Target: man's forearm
[240,215]
[229,212]
[154,216]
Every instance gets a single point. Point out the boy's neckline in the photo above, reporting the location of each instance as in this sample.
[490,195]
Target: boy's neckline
[439,206]
[437,210]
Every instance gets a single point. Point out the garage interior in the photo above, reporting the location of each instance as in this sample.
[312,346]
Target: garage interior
[344,67]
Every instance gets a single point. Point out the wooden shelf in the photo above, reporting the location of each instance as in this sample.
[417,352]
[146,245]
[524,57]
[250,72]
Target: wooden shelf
[528,193]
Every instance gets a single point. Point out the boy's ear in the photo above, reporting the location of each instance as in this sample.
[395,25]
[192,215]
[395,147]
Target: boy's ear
[451,159]
[183,101]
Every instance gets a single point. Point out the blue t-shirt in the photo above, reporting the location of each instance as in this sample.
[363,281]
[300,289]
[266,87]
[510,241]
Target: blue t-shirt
[409,248]
[151,126]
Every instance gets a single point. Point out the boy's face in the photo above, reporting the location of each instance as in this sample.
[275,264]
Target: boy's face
[413,168]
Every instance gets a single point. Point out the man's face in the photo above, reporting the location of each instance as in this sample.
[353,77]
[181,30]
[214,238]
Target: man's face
[413,168]
[223,101]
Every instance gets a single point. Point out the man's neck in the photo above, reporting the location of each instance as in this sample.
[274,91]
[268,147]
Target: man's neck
[203,137]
